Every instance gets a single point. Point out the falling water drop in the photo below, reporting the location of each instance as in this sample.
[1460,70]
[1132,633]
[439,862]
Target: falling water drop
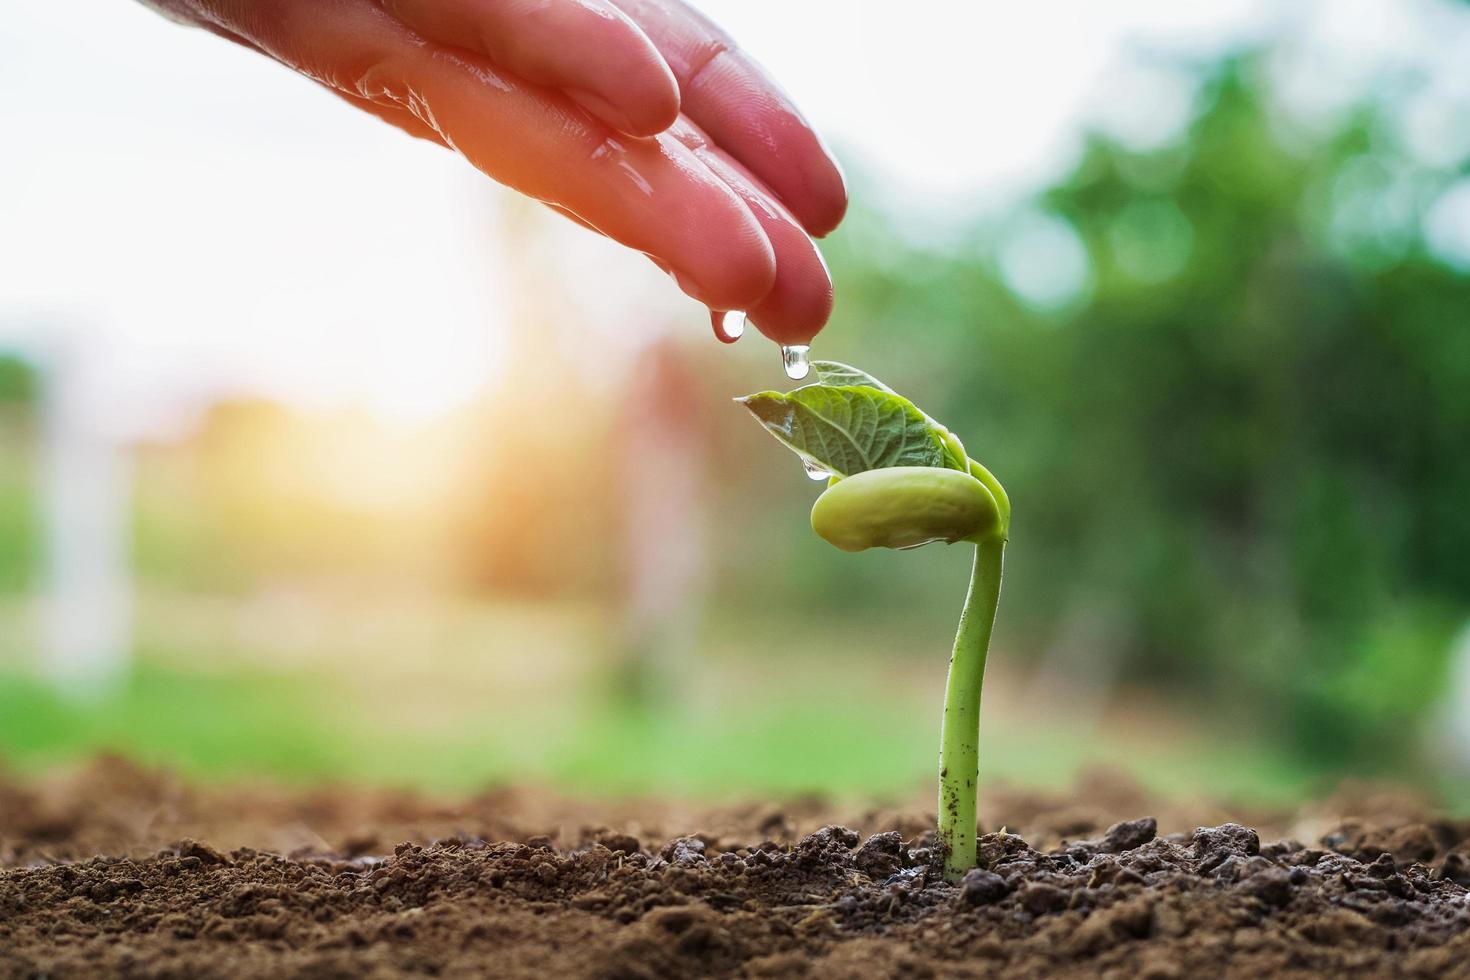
[794,359]
[813,471]
[729,326]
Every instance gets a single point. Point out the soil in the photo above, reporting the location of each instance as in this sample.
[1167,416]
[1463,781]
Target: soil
[115,870]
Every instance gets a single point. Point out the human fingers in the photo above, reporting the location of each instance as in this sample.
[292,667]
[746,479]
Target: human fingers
[744,111]
[800,301]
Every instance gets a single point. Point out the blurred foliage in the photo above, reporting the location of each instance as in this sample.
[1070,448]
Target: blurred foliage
[17,381]
[1240,455]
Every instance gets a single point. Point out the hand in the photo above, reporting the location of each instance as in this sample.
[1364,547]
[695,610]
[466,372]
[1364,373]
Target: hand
[637,118]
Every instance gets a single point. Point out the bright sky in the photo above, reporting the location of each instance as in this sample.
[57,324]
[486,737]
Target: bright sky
[190,219]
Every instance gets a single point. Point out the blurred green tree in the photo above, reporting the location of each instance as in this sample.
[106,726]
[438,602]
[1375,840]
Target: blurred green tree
[17,381]
[1242,440]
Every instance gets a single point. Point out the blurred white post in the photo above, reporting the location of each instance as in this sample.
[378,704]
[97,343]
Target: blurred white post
[84,499]
[1457,713]
[665,548]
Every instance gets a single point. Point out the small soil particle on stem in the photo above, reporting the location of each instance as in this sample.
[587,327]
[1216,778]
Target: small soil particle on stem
[507,885]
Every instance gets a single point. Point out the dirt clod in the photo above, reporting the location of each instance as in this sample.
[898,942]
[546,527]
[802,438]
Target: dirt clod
[1128,834]
[981,887]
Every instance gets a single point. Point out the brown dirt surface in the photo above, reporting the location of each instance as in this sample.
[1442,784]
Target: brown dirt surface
[118,871]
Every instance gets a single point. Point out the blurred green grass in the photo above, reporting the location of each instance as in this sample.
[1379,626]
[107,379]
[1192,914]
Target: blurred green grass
[308,726]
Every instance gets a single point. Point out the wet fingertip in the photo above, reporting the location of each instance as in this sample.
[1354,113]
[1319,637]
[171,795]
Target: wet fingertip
[800,302]
[730,263]
[787,336]
[657,100]
[603,110]
[651,121]
[788,321]
[656,115]
[640,117]
[825,204]
[641,81]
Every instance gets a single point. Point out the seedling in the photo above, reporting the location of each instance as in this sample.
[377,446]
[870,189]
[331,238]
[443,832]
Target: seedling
[898,479]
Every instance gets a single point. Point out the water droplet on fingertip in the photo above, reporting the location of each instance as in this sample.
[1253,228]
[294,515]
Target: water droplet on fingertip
[815,472]
[729,325]
[794,358]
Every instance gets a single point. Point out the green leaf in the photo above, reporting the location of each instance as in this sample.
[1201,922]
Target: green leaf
[835,374]
[851,428]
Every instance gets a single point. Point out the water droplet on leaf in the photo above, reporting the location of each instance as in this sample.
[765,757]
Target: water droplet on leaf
[794,358]
[815,472]
[729,325]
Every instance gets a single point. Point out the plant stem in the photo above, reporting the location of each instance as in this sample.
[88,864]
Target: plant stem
[959,742]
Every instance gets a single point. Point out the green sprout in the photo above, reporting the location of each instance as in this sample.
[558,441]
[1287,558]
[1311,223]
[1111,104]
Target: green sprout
[899,479]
